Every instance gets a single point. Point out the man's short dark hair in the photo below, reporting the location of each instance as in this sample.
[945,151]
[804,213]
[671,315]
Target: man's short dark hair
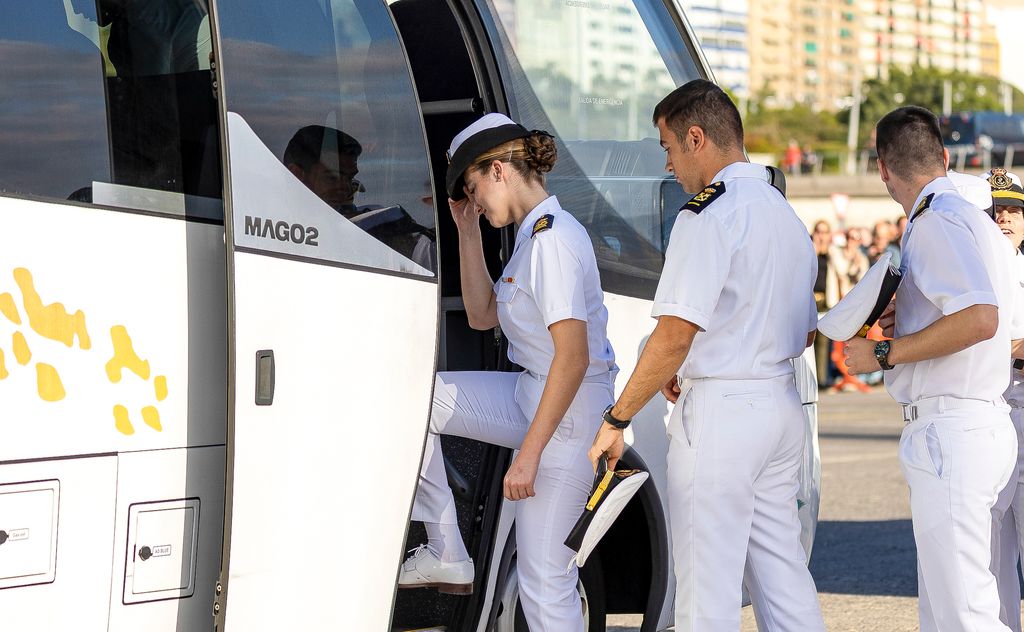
[705,105]
[908,141]
[307,145]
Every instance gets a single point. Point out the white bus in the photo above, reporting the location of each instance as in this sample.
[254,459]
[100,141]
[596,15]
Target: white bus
[228,275]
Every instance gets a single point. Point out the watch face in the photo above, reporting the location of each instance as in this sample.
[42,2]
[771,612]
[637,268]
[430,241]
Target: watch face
[882,354]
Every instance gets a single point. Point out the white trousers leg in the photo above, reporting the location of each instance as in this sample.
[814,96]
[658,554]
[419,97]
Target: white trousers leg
[734,455]
[956,463]
[497,408]
[1007,528]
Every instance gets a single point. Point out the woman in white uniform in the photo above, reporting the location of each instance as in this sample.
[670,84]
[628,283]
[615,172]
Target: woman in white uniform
[1008,513]
[549,304]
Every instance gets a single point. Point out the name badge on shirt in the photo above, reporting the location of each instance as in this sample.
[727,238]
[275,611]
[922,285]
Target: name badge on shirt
[507,290]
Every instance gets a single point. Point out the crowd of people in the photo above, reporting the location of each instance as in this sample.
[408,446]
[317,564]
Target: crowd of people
[844,255]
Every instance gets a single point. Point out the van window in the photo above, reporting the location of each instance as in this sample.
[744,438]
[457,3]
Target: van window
[110,102]
[325,88]
[591,73]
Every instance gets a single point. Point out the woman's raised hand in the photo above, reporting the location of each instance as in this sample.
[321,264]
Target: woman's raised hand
[466,213]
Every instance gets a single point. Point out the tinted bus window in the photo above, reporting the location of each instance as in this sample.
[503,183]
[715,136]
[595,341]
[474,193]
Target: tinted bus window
[110,102]
[591,73]
[53,121]
[325,88]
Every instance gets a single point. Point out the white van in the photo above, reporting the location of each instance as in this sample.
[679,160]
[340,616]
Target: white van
[228,275]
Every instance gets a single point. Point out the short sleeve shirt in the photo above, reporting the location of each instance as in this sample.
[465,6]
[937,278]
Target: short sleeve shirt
[552,276]
[741,267]
[954,257]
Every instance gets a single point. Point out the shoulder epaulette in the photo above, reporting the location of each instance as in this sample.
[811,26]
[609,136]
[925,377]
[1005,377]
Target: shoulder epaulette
[700,201]
[542,224]
[922,206]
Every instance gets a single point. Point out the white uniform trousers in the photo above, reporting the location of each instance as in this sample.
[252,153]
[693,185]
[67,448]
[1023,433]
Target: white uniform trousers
[735,448]
[956,460]
[497,408]
[1008,531]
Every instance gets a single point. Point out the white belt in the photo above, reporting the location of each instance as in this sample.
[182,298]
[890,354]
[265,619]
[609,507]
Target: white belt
[941,403]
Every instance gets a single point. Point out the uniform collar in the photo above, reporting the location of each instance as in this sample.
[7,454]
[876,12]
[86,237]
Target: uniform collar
[942,183]
[741,170]
[547,205]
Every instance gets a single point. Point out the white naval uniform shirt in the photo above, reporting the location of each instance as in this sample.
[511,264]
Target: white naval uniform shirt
[742,268]
[552,276]
[954,257]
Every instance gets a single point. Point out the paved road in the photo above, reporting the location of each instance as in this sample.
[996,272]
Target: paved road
[863,561]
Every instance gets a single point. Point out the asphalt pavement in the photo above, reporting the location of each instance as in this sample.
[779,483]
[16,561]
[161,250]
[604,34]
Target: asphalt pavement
[863,560]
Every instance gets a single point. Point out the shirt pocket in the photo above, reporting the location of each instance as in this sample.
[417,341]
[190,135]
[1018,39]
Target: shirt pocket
[507,291]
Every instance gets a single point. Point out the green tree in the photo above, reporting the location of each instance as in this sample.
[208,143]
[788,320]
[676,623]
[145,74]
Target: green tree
[924,86]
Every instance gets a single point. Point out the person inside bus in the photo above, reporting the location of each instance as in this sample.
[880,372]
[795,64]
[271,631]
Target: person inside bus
[549,304]
[325,159]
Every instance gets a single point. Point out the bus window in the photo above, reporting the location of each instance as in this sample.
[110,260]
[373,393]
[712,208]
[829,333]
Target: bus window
[324,87]
[111,103]
[591,74]
[53,122]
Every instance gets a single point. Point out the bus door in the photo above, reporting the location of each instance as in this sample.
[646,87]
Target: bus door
[333,310]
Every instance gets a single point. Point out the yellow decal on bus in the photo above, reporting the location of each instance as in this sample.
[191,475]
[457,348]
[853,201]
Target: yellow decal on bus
[54,322]
[51,321]
[121,422]
[124,356]
[21,351]
[51,389]
[160,386]
[151,416]
[9,309]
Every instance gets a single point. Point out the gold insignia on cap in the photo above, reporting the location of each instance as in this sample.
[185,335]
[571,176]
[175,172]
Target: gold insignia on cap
[999,180]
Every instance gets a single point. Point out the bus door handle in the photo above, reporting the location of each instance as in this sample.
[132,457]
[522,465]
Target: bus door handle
[265,377]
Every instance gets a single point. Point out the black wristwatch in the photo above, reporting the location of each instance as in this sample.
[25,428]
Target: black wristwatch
[882,354]
[620,424]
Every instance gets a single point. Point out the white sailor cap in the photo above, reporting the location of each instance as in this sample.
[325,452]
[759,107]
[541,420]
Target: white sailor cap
[856,312]
[972,188]
[612,491]
[485,133]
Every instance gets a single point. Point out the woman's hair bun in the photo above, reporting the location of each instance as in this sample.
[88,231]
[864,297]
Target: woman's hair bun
[541,152]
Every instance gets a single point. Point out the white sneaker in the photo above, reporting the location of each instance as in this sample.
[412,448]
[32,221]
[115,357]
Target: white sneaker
[423,570]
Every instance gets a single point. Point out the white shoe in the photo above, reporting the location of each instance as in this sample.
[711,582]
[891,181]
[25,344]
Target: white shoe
[423,570]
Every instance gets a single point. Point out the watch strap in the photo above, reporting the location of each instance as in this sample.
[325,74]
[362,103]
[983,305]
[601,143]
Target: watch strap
[609,419]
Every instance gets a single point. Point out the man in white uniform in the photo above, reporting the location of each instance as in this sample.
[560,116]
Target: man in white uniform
[734,307]
[947,366]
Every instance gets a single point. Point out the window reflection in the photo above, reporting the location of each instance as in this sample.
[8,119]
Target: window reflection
[325,86]
[110,102]
[591,72]
[52,106]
